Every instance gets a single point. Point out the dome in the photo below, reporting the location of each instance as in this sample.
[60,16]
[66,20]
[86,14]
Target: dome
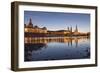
[44,28]
[36,26]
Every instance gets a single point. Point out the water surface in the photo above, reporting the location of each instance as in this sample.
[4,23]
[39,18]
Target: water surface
[56,48]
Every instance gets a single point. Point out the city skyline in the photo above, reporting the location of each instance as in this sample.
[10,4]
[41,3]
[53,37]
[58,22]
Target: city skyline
[58,21]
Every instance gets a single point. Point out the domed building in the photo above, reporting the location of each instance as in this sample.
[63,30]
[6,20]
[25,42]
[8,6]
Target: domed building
[30,28]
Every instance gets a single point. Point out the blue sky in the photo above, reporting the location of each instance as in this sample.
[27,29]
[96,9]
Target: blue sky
[58,20]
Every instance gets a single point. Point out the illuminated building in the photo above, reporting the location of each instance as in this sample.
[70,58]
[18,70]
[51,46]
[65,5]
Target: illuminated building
[35,31]
[30,28]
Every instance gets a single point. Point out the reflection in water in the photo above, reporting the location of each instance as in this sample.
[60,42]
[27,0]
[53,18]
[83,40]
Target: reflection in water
[56,48]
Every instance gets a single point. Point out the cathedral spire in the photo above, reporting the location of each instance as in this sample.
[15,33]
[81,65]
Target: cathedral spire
[76,30]
[71,28]
[30,22]
[30,25]
[68,28]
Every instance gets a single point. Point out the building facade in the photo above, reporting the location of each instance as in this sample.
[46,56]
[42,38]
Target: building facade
[30,28]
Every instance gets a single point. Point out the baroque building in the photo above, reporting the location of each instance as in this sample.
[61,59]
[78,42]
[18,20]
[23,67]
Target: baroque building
[30,28]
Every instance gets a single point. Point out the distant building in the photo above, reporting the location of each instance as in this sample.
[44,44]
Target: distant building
[34,30]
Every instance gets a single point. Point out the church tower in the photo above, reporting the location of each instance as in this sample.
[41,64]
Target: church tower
[30,25]
[70,29]
[76,30]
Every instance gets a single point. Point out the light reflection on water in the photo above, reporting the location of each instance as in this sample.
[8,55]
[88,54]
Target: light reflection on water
[56,48]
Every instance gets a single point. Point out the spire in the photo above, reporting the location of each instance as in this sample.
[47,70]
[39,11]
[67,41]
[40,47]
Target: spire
[30,25]
[71,28]
[68,29]
[76,30]
[30,22]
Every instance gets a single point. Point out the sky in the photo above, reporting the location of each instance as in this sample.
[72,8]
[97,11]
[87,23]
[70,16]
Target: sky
[58,20]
